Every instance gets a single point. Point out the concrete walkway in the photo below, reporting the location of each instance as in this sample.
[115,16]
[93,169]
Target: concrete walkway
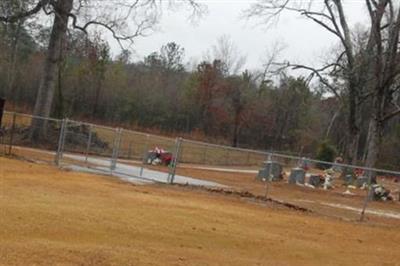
[130,173]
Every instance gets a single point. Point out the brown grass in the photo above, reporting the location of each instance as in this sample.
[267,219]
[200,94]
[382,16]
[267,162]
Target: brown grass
[51,217]
[313,199]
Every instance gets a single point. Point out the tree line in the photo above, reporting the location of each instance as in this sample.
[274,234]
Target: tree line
[351,105]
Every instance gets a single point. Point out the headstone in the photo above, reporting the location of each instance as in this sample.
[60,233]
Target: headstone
[272,171]
[348,180]
[315,180]
[297,175]
[360,181]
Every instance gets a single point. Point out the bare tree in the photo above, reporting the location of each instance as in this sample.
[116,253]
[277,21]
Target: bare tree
[369,69]
[350,65]
[124,19]
[384,72]
[226,51]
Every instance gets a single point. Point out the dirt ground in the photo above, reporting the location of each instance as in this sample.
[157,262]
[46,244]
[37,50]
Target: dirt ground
[53,217]
[330,203]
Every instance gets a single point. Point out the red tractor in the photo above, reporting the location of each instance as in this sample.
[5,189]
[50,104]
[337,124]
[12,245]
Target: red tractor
[159,156]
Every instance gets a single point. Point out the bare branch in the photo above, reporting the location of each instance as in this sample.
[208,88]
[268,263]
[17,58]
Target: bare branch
[27,13]
[314,72]
[124,19]
[392,114]
[141,27]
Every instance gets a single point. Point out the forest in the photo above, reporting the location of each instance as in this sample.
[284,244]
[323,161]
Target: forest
[349,106]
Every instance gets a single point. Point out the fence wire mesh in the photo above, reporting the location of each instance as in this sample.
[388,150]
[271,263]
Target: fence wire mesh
[333,189]
[328,188]
[16,137]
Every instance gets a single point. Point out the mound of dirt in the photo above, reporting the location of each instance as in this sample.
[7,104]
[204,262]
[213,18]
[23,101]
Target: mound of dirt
[79,135]
[76,138]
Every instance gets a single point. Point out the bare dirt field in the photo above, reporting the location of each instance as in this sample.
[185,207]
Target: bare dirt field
[332,203]
[53,217]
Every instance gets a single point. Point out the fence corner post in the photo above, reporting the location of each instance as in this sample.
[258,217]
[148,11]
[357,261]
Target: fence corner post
[115,153]
[175,161]
[88,143]
[61,140]
[369,195]
[14,118]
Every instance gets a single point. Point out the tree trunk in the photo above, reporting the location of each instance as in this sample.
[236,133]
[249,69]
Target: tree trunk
[353,146]
[365,153]
[59,105]
[45,95]
[328,131]
[375,131]
[353,123]
[373,143]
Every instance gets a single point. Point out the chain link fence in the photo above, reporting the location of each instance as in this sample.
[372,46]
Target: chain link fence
[124,153]
[328,188]
[332,189]
[16,138]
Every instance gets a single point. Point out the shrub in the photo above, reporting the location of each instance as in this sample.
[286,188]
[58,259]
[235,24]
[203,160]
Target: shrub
[326,152]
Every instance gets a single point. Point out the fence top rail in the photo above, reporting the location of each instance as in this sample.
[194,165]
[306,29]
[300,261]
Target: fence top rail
[91,124]
[32,116]
[122,130]
[150,135]
[284,156]
[222,146]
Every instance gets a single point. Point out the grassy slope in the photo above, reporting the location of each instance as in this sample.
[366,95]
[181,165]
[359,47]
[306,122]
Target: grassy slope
[53,217]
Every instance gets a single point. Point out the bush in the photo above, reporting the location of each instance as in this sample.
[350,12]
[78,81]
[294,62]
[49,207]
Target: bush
[326,152]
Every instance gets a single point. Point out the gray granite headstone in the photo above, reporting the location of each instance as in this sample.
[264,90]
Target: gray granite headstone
[271,171]
[297,175]
[361,180]
[315,180]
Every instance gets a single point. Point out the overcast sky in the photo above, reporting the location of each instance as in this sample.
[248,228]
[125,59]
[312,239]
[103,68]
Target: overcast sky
[305,41]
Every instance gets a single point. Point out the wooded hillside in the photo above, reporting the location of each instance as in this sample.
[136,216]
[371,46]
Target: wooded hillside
[215,100]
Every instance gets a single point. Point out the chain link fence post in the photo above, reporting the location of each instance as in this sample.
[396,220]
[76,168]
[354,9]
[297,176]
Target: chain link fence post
[115,153]
[61,140]
[175,161]
[64,137]
[88,143]
[145,152]
[368,196]
[14,118]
